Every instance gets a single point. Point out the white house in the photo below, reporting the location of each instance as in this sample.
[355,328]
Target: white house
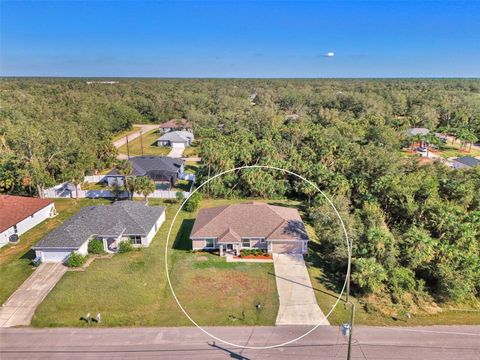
[132,221]
[176,139]
[18,214]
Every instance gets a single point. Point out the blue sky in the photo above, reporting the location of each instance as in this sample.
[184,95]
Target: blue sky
[240,39]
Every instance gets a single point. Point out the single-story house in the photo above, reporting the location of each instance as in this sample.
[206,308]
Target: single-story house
[176,124]
[176,139]
[161,169]
[465,162]
[18,214]
[132,221]
[231,228]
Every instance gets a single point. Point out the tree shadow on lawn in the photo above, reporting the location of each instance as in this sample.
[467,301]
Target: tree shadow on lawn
[330,277]
[29,255]
[182,240]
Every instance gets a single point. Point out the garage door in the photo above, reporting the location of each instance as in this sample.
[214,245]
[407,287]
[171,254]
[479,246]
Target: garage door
[178,145]
[290,247]
[55,256]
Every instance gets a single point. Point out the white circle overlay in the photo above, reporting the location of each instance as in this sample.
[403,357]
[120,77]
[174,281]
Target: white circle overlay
[334,305]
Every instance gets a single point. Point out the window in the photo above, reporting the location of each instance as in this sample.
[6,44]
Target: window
[209,243]
[245,243]
[136,240]
[262,240]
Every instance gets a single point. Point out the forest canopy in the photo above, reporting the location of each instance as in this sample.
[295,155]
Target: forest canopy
[415,228]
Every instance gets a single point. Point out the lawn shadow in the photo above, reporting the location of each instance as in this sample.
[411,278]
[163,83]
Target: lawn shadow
[331,277]
[310,287]
[182,240]
[29,255]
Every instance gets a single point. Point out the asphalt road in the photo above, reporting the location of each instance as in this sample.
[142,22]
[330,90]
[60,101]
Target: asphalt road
[438,342]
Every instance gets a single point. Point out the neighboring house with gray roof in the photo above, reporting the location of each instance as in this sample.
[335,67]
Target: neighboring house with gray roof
[132,221]
[160,169]
[250,225]
[465,162]
[417,131]
[176,139]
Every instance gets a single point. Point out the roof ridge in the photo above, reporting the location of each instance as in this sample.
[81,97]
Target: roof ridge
[132,218]
[213,218]
[275,229]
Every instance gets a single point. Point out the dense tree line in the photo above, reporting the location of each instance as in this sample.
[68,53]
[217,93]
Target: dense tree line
[415,229]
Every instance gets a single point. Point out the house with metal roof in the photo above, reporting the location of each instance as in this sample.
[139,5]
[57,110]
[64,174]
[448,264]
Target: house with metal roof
[465,162]
[176,139]
[18,214]
[253,225]
[132,221]
[162,170]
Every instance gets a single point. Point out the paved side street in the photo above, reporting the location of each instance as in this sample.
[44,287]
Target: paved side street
[436,343]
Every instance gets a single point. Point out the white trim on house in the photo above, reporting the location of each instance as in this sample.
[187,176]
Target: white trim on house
[28,223]
[54,254]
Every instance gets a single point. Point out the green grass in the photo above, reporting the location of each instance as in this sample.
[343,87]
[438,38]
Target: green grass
[192,150]
[149,147]
[453,150]
[125,133]
[131,289]
[15,260]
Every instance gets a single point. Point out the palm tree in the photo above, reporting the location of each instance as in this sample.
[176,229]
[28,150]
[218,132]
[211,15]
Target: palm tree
[431,139]
[124,167]
[143,185]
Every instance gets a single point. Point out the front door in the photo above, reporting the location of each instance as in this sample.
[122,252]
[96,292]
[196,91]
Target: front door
[229,247]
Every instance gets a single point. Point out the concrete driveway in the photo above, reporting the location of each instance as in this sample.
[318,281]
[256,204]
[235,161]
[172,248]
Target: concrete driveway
[20,306]
[176,152]
[298,305]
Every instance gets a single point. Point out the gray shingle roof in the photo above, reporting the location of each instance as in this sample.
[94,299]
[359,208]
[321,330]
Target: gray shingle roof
[417,131]
[468,160]
[155,167]
[176,136]
[122,217]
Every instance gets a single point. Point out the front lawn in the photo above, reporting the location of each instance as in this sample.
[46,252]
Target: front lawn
[149,146]
[453,150]
[131,289]
[15,260]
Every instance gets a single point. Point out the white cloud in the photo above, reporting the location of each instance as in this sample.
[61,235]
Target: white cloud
[330,54]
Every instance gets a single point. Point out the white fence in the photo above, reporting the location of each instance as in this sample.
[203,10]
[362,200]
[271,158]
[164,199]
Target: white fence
[94,178]
[66,190]
[99,178]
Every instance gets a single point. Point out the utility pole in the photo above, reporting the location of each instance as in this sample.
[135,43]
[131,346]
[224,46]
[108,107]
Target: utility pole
[128,148]
[352,318]
[141,141]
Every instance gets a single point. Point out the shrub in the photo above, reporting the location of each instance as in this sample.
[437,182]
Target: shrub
[179,196]
[95,246]
[193,201]
[75,260]
[125,246]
